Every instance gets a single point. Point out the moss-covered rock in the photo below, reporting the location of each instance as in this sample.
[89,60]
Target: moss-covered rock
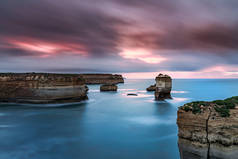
[221,106]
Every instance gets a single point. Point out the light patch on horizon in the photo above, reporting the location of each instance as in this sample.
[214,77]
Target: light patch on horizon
[143,55]
[217,72]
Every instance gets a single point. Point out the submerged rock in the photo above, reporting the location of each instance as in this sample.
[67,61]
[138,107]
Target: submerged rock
[151,88]
[108,87]
[102,78]
[163,87]
[208,130]
[132,94]
[40,88]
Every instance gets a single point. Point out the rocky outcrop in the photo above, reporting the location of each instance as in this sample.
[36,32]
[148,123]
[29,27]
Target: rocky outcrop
[41,88]
[151,88]
[208,130]
[102,78]
[163,87]
[132,94]
[108,87]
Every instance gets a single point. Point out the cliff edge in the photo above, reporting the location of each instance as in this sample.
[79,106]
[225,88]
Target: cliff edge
[42,88]
[208,130]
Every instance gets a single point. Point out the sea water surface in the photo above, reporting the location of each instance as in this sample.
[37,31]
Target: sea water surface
[108,125]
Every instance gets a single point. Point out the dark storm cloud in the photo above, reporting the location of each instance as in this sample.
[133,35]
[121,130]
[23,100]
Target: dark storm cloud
[191,29]
[51,23]
[211,37]
[165,6]
[220,36]
[14,52]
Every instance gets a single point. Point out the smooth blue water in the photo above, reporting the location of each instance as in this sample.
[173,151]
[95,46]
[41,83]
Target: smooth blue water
[108,126]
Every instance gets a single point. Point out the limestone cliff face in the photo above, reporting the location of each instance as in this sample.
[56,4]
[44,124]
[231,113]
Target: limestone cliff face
[206,133]
[41,88]
[102,78]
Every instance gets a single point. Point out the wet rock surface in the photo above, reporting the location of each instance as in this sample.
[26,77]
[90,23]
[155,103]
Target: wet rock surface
[207,132]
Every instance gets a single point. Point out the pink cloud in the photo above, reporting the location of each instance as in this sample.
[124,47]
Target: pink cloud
[46,49]
[143,55]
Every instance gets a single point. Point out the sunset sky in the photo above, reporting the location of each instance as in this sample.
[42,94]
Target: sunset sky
[139,38]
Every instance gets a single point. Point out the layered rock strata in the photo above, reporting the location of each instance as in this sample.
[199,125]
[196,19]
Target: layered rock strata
[163,87]
[108,87]
[41,88]
[102,78]
[208,130]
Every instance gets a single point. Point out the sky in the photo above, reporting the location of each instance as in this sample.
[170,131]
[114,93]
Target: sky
[138,38]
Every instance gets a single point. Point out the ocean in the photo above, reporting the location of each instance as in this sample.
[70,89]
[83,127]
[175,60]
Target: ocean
[108,125]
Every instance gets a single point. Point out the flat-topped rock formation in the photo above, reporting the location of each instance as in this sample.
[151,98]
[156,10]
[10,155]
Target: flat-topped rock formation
[163,87]
[41,88]
[108,87]
[208,130]
[102,78]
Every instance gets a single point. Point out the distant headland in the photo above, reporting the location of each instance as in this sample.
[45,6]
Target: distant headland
[41,88]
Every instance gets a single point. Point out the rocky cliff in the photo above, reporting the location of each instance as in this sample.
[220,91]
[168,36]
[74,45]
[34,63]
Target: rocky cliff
[208,130]
[163,87]
[102,78]
[41,88]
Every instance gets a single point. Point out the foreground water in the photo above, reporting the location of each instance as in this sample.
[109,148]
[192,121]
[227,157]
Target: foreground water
[108,126]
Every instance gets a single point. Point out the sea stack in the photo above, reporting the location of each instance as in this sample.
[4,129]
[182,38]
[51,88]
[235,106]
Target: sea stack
[208,130]
[163,87]
[41,88]
[108,87]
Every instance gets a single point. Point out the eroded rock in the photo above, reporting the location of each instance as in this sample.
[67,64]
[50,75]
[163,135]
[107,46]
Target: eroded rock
[163,87]
[151,88]
[41,88]
[208,130]
[108,87]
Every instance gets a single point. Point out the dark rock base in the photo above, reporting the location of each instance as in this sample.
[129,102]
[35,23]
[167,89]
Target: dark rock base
[162,96]
[195,150]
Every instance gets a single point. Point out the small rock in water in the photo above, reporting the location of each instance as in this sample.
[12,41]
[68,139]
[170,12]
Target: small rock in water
[151,88]
[132,94]
[108,87]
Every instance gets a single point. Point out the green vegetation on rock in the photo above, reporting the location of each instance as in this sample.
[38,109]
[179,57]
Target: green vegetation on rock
[221,106]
